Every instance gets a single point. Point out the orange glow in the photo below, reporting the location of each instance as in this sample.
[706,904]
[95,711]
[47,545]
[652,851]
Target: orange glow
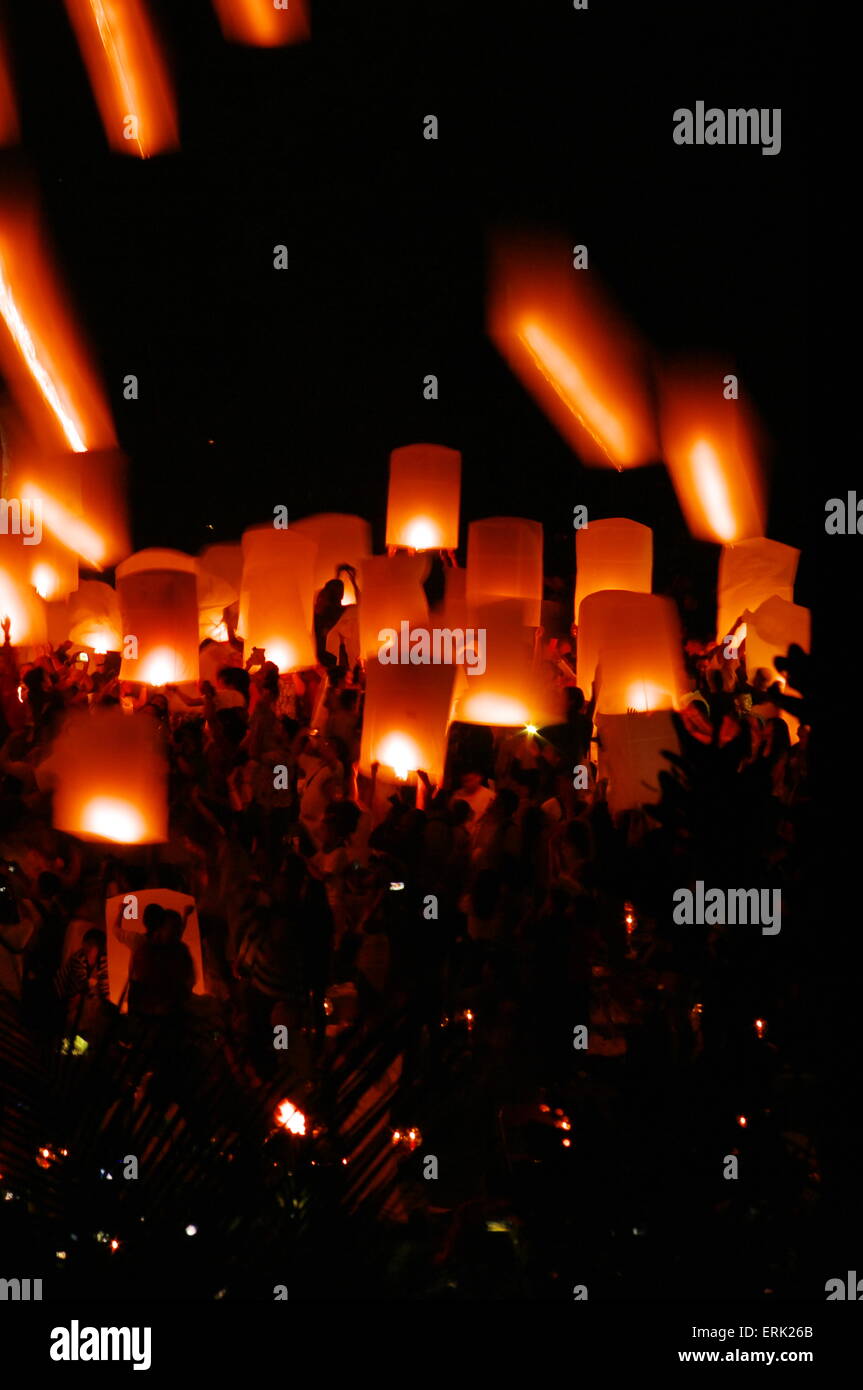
[41,351]
[709,445]
[751,572]
[263,23]
[423,498]
[276,596]
[405,719]
[760,1027]
[512,692]
[74,532]
[401,754]
[504,560]
[127,73]
[290,1118]
[18,600]
[110,779]
[634,643]
[615,553]
[157,592]
[9,128]
[742,1121]
[390,591]
[572,351]
[341,540]
[94,617]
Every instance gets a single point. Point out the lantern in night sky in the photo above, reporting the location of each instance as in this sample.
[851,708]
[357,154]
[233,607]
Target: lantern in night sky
[405,719]
[615,553]
[391,592]
[110,779]
[263,23]
[512,690]
[158,594]
[771,630]
[634,642]
[341,540]
[94,617]
[276,596]
[750,572]
[504,560]
[424,497]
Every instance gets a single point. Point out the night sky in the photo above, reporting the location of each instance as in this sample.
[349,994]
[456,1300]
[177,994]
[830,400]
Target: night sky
[306,379]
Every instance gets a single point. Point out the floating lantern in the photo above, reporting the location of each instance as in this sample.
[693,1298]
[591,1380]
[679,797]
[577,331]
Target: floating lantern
[215,594]
[276,596]
[775,626]
[750,572]
[18,599]
[391,592]
[94,617]
[709,446]
[53,570]
[632,754]
[635,642]
[41,351]
[170,901]
[288,1117]
[110,779]
[512,691]
[576,355]
[81,499]
[127,73]
[341,540]
[263,23]
[423,498]
[158,595]
[613,554]
[504,560]
[405,719]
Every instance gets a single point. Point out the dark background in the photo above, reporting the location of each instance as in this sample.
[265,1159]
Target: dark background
[305,380]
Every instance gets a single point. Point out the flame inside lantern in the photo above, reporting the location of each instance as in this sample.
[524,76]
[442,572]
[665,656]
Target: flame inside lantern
[290,1118]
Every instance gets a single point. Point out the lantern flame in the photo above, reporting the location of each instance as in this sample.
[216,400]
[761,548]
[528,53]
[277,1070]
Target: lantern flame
[261,23]
[109,818]
[401,754]
[422,534]
[290,1118]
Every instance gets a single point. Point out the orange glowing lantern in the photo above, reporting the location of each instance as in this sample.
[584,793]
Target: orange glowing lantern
[573,351]
[405,719]
[263,23]
[127,73]
[215,594]
[391,593]
[157,590]
[276,596]
[18,599]
[632,753]
[612,554]
[750,572]
[771,630]
[53,570]
[423,498]
[709,445]
[504,560]
[110,779]
[504,688]
[94,617]
[9,128]
[632,645]
[41,351]
[341,540]
[81,498]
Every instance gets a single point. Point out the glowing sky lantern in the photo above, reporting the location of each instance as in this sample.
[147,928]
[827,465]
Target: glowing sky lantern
[215,594]
[276,596]
[774,626]
[573,352]
[263,23]
[709,445]
[53,570]
[635,642]
[391,592]
[612,554]
[18,599]
[41,351]
[82,500]
[750,572]
[9,128]
[94,617]
[127,73]
[110,779]
[513,690]
[632,750]
[504,560]
[424,497]
[157,590]
[341,540]
[405,719]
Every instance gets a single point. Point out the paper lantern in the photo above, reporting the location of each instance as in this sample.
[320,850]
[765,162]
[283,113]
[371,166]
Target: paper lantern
[513,690]
[573,351]
[635,642]
[18,599]
[423,499]
[709,445]
[158,595]
[110,779]
[276,596]
[42,353]
[94,617]
[613,554]
[81,499]
[263,23]
[774,626]
[53,570]
[215,594]
[119,953]
[405,719]
[127,73]
[632,751]
[341,540]
[750,572]
[504,560]
[391,592]
[224,560]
